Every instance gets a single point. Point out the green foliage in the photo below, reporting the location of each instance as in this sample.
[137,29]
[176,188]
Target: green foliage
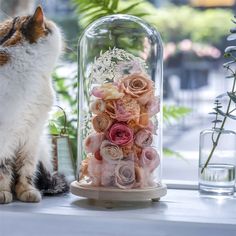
[174,113]
[176,23]
[67,94]
[170,153]
[91,10]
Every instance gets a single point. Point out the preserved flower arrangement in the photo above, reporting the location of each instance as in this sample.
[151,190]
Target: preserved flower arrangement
[119,134]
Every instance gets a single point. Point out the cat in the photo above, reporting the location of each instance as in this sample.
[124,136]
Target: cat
[29,49]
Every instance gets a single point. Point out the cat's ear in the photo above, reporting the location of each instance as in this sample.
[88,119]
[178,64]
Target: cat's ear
[38,16]
[4,57]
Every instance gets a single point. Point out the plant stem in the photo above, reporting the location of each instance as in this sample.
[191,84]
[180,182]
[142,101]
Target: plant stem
[221,128]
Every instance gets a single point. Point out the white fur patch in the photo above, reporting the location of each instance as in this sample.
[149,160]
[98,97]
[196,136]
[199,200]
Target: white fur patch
[26,96]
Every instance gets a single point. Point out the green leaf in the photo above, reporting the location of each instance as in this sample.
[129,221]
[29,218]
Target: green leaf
[114,4]
[227,64]
[230,49]
[233,30]
[126,10]
[171,113]
[231,37]
[92,13]
[220,97]
[225,115]
[96,17]
[227,55]
[216,121]
[170,153]
[232,96]
[230,76]
[53,128]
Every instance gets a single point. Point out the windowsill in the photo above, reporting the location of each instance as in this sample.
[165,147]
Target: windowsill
[184,212]
[181,184]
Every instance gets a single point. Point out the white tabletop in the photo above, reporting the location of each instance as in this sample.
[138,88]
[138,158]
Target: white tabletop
[181,212]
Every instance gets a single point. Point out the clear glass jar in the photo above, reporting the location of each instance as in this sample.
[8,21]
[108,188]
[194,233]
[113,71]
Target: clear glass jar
[217,171]
[120,105]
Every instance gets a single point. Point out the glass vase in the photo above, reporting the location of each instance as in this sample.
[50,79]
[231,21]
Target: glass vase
[217,159]
[120,111]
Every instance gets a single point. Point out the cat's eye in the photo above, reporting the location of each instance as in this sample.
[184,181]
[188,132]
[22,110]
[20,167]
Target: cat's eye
[49,31]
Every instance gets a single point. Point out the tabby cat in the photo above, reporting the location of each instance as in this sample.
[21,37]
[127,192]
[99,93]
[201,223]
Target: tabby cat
[29,49]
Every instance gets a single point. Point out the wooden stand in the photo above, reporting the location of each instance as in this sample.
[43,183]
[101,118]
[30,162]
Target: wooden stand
[115,194]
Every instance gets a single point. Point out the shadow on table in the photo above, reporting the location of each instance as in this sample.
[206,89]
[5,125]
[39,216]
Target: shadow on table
[92,204]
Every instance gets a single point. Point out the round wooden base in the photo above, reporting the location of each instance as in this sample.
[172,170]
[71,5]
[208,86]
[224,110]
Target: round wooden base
[115,194]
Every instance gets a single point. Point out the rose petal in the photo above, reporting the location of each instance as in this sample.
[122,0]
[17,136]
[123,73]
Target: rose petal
[93,142]
[107,91]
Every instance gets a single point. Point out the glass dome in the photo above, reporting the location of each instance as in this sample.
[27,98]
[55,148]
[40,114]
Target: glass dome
[120,110]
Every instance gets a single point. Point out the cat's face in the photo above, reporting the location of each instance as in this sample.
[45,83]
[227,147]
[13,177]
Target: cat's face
[28,31]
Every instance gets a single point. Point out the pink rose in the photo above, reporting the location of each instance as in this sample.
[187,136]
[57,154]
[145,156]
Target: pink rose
[94,171]
[120,134]
[98,106]
[143,138]
[107,91]
[149,159]
[93,142]
[125,174]
[153,106]
[110,151]
[139,86]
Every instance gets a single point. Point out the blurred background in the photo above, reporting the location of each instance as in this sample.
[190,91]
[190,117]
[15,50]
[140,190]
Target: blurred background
[194,36]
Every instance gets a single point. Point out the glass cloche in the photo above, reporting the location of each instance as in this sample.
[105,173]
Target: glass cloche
[120,111]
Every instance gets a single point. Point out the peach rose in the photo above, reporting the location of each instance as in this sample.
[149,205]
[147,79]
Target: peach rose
[98,106]
[94,171]
[110,151]
[150,159]
[139,86]
[101,122]
[120,134]
[126,109]
[143,138]
[93,142]
[107,91]
[125,174]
